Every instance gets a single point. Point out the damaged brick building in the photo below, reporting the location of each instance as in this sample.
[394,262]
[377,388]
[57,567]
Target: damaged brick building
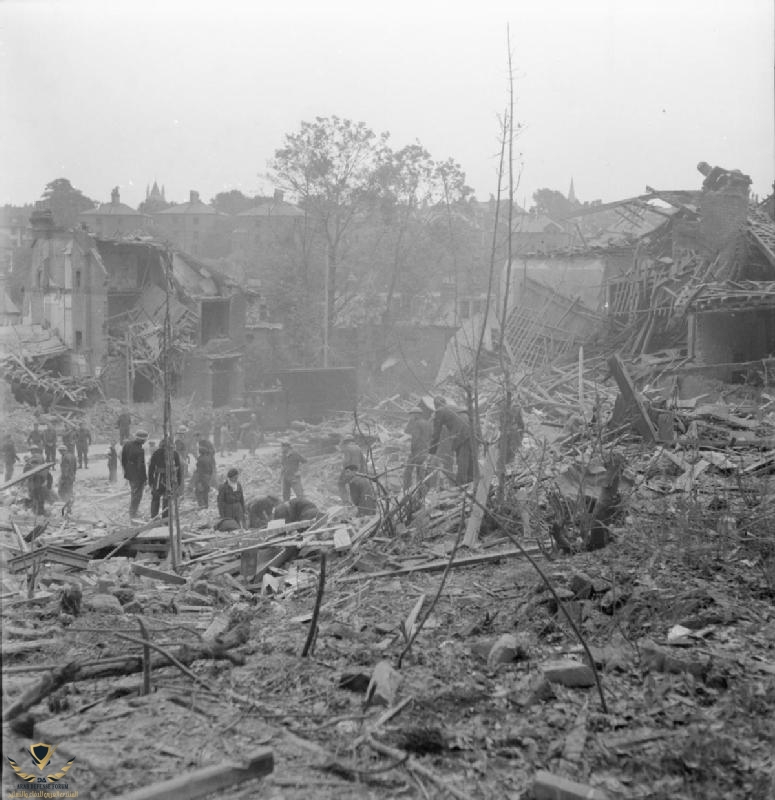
[107,300]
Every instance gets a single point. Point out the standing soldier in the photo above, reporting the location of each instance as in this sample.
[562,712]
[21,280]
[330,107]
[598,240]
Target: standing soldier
[35,437]
[203,474]
[224,438]
[68,438]
[157,477]
[206,425]
[133,464]
[361,491]
[181,448]
[9,456]
[231,500]
[123,424]
[290,472]
[457,427]
[352,456]
[420,429]
[50,442]
[67,467]
[112,463]
[39,484]
[82,442]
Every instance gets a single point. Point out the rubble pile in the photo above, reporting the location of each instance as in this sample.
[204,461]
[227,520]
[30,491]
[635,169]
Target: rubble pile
[592,501]
[32,382]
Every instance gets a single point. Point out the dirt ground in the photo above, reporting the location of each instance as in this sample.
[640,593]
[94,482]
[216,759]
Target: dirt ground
[689,710]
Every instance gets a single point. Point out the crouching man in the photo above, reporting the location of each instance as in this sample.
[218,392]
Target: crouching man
[260,511]
[362,494]
[297,510]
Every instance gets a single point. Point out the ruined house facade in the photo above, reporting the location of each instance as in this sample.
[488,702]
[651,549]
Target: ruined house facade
[65,290]
[700,283]
[107,300]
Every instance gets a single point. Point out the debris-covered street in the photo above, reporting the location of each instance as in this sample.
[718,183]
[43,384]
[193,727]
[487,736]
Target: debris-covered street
[675,610]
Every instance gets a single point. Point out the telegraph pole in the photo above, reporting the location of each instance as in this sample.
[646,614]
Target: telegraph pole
[173,520]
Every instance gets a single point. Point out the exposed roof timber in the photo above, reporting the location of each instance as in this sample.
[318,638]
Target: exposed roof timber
[762,230]
[676,198]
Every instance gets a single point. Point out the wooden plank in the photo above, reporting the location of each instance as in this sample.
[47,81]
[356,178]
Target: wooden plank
[296,541]
[124,536]
[277,561]
[158,575]
[632,396]
[201,782]
[437,566]
[121,536]
[50,553]
[486,473]
[25,475]
[15,648]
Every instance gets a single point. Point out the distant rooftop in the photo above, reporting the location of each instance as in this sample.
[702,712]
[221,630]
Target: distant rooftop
[193,206]
[273,208]
[114,208]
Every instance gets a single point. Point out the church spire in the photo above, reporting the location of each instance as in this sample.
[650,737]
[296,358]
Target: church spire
[572,193]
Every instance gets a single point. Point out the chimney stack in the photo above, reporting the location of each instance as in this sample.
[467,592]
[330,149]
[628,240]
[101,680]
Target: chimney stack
[278,195]
[42,219]
[115,199]
[193,196]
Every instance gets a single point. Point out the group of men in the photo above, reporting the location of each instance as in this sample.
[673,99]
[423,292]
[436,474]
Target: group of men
[76,439]
[160,478]
[166,473]
[74,454]
[353,483]
[430,428]
[167,470]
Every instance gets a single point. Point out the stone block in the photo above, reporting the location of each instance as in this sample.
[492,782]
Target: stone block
[547,786]
[569,673]
[103,604]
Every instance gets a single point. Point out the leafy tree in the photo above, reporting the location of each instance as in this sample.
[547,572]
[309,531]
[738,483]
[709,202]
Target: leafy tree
[553,203]
[66,202]
[332,165]
[412,182]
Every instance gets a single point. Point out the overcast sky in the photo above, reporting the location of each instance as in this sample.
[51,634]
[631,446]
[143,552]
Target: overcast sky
[199,95]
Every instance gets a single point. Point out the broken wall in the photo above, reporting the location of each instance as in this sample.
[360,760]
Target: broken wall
[722,337]
[578,276]
[722,216]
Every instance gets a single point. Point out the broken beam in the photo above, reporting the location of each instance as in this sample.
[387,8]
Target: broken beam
[207,780]
[27,474]
[51,553]
[633,398]
[158,575]
[436,566]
